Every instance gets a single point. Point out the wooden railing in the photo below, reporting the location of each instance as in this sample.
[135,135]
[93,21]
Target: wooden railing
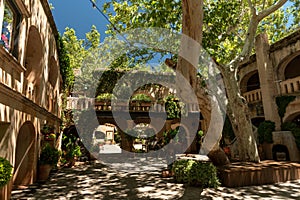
[290,86]
[253,96]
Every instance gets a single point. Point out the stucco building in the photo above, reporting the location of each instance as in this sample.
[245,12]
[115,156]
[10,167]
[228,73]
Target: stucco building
[29,83]
[272,72]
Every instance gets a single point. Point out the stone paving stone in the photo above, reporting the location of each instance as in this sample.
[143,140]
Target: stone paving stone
[98,181]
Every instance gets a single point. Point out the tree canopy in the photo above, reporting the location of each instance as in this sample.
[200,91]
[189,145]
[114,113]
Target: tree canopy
[225,23]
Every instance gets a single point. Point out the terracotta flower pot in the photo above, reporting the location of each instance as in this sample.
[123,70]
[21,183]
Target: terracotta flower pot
[44,171]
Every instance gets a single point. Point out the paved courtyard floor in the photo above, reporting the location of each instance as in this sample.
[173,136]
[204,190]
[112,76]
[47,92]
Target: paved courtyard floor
[99,181]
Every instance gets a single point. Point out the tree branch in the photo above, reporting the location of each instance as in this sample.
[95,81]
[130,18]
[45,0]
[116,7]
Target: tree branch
[270,10]
[252,8]
[254,21]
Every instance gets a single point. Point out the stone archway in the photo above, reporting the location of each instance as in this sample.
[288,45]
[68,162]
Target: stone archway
[292,70]
[25,163]
[250,82]
[284,70]
[292,110]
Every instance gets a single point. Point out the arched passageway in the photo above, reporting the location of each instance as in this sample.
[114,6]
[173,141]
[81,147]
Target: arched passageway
[25,155]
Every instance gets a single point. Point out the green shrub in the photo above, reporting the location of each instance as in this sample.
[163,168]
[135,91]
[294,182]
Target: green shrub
[282,103]
[290,126]
[265,130]
[73,152]
[173,107]
[49,155]
[196,173]
[105,97]
[141,97]
[5,171]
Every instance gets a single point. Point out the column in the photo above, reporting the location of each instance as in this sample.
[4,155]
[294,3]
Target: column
[267,80]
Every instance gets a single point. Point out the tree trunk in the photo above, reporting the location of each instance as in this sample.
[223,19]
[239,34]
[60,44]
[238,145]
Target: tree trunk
[238,113]
[187,67]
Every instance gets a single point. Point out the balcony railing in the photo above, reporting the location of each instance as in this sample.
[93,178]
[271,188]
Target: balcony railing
[290,86]
[85,103]
[253,96]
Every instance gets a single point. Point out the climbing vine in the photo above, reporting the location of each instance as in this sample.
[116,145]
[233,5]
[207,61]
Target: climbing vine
[173,107]
[290,126]
[282,102]
[265,130]
[65,69]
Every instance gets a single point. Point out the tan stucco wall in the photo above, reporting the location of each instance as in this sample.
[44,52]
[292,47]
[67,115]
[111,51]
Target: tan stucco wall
[271,75]
[16,107]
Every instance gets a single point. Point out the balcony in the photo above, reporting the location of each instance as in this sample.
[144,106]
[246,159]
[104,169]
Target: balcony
[77,103]
[253,96]
[290,86]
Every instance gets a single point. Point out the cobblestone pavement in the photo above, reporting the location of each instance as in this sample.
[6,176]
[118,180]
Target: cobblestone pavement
[98,181]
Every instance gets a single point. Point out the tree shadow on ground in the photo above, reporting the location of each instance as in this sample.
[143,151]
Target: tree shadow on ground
[98,181]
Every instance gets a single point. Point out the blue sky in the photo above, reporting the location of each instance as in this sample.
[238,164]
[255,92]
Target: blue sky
[78,14]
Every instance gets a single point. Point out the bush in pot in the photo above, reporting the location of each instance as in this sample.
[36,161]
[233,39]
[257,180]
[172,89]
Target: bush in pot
[6,171]
[49,157]
[72,154]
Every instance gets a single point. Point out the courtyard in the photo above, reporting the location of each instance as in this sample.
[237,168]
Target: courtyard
[98,181]
[162,100]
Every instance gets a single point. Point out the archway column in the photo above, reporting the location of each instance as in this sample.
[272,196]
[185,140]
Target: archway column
[266,76]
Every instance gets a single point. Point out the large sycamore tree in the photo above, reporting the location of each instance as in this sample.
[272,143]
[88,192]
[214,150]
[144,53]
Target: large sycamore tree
[226,29]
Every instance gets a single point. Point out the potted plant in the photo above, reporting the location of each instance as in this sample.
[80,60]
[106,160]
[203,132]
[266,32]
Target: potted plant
[72,154]
[49,157]
[6,171]
[48,132]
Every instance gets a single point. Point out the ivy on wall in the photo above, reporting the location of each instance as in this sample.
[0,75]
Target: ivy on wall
[265,130]
[291,126]
[173,107]
[282,102]
[65,69]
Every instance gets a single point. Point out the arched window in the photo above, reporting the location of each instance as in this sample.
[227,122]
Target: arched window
[253,82]
[10,27]
[292,69]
